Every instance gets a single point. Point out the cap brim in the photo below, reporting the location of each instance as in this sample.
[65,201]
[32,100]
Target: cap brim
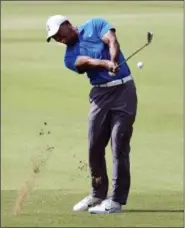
[48,39]
[52,33]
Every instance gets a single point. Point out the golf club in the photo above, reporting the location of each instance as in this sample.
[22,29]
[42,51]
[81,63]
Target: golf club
[149,40]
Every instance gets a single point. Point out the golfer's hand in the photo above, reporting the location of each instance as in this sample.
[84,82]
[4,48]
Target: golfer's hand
[116,67]
[112,66]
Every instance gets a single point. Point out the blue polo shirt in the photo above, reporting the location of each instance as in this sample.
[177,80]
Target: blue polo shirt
[90,44]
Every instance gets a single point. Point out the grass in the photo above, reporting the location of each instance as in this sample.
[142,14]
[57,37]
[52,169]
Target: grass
[146,209]
[37,88]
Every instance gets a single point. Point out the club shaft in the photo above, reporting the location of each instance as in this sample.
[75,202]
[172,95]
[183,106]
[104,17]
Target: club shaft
[138,50]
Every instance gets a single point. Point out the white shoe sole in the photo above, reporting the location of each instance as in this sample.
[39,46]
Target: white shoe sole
[104,212]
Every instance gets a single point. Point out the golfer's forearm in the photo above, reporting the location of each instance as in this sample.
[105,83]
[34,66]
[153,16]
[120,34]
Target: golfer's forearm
[85,63]
[96,63]
[114,50]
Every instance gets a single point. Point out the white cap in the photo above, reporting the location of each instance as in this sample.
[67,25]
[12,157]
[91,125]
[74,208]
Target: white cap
[52,25]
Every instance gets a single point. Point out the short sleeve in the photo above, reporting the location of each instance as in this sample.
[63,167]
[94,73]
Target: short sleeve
[70,63]
[102,26]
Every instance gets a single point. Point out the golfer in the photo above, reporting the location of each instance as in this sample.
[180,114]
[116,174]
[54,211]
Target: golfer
[93,48]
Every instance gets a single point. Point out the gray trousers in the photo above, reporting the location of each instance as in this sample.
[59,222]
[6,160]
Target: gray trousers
[112,114]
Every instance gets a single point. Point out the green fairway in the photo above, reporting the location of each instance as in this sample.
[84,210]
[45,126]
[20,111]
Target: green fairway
[37,88]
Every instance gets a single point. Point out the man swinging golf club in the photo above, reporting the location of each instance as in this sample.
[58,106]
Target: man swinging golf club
[93,48]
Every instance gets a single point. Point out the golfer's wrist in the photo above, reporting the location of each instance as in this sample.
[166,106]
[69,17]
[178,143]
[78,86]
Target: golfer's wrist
[105,64]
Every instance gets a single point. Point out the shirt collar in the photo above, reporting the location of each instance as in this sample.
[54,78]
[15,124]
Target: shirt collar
[80,29]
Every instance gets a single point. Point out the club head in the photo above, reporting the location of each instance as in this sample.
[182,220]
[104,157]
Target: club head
[149,37]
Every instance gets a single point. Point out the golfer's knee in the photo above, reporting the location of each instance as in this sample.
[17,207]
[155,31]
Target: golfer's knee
[120,150]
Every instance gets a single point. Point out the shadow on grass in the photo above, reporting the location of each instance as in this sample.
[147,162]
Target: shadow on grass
[153,211]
